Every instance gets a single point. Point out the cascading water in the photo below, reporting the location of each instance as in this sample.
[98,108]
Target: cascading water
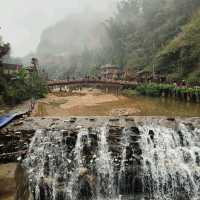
[171,162]
[136,162]
[79,163]
[104,167]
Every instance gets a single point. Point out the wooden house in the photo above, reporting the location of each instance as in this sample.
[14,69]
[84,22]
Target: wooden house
[111,72]
[10,69]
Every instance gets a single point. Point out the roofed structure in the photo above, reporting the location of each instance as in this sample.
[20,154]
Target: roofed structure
[10,69]
[109,71]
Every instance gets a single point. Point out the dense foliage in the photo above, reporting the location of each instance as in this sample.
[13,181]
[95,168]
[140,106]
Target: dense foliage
[154,89]
[181,56]
[15,88]
[142,30]
[165,90]
[23,87]
[159,36]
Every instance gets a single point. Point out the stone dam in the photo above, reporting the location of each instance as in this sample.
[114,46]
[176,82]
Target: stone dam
[104,158]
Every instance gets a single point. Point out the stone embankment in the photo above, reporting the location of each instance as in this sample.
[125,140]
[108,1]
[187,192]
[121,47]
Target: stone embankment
[16,137]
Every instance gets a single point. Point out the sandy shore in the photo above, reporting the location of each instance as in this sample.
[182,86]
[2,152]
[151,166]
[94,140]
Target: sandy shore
[89,102]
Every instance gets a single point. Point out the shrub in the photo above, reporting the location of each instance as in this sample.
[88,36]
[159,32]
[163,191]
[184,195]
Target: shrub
[129,92]
[24,87]
[156,90]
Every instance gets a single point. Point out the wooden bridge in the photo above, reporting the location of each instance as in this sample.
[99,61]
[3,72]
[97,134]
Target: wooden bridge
[91,81]
[63,84]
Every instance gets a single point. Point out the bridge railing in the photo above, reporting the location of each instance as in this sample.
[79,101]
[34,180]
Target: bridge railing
[69,82]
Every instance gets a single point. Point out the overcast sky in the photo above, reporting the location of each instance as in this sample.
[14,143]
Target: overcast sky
[22,21]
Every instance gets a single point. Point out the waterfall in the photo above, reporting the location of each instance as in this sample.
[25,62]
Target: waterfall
[142,161]
[104,167]
[171,166]
[79,163]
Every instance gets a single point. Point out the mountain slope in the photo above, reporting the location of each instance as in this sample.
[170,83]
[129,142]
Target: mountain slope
[63,45]
[180,57]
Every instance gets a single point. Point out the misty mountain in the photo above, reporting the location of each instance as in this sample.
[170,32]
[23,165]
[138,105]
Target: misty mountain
[65,42]
[72,35]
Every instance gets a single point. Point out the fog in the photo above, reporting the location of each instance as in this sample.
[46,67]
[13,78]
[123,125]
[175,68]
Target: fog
[23,21]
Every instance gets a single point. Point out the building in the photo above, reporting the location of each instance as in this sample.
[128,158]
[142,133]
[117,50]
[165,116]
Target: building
[129,74]
[10,69]
[111,72]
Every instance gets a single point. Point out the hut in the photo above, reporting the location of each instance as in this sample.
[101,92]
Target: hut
[111,72]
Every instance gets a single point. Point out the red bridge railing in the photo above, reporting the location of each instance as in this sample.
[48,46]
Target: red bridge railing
[88,81]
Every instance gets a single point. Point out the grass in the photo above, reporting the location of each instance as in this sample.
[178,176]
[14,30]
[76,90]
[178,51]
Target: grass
[129,92]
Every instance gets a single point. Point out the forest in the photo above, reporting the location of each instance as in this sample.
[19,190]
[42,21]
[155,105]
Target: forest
[157,36]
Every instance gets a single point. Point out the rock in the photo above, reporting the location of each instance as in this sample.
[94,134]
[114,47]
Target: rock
[84,189]
[114,119]
[135,130]
[73,120]
[151,133]
[171,119]
[197,158]
[64,132]
[55,119]
[19,158]
[128,119]
[83,171]
[189,125]
[90,129]
[18,123]
[124,112]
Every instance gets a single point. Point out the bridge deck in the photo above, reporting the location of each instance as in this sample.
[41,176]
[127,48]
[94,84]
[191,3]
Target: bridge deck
[105,82]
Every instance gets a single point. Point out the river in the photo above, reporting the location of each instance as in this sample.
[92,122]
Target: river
[92,102]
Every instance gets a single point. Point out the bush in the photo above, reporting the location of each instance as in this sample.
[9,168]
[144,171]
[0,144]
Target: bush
[157,90]
[129,92]
[150,89]
[24,87]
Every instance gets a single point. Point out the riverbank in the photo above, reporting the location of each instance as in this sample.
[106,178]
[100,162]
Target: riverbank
[182,93]
[88,102]
[22,107]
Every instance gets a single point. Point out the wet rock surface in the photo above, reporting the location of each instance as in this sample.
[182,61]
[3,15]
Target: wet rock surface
[14,144]
[106,158]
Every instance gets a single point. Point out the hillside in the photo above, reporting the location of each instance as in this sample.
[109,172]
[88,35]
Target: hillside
[180,58]
[162,35]
[143,33]
[63,45]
